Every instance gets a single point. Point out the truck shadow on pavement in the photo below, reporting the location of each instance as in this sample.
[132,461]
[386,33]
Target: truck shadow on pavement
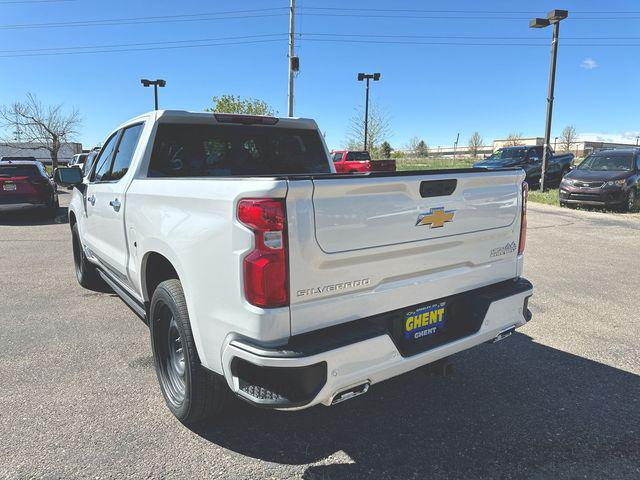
[35,217]
[513,409]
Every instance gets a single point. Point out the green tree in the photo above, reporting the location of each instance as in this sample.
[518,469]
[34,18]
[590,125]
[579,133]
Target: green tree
[385,149]
[236,104]
[422,149]
[379,127]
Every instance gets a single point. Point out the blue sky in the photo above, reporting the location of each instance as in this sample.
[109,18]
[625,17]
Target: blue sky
[429,91]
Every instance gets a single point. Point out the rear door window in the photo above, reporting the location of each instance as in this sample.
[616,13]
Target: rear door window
[358,156]
[211,150]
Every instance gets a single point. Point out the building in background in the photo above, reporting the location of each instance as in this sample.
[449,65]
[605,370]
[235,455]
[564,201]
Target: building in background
[580,148]
[67,151]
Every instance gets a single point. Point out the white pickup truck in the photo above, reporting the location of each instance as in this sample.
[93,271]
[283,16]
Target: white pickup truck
[262,272]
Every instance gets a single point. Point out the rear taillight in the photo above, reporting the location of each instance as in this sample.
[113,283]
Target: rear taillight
[265,267]
[523,221]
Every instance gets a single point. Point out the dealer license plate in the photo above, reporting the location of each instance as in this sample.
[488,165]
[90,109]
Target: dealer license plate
[424,321]
[9,187]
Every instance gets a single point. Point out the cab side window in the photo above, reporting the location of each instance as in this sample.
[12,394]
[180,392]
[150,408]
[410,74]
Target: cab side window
[103,163]
[337,157]
[126,147]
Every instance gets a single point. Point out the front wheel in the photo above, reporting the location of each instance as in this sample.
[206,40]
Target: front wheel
[630,203]
[191,393]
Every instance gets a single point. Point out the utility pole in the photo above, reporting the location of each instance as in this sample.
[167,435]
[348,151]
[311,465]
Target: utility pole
[292,14]
[455,146]
[554,17]
[367,76]
[637,137]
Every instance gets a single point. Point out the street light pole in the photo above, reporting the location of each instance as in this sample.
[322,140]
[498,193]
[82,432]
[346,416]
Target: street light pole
[367,76]
[553,18]
[293,61]
[156,83]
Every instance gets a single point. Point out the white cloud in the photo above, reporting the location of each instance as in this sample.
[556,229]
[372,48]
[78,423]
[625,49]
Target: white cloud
[621,137]
[589,64]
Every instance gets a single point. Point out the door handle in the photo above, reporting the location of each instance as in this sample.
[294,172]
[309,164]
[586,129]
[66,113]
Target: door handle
[92,200]
[115,203]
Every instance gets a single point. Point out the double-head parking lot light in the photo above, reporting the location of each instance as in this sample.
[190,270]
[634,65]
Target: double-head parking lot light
[156,83]
[367,76]
[554,17]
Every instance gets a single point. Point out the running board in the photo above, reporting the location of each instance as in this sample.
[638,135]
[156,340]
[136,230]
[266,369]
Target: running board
[131,302]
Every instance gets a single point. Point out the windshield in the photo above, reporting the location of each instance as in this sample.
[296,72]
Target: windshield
[18,171]
[507,154]
[614,161]
[201,150]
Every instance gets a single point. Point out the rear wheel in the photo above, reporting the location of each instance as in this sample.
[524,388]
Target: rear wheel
[86,272]
[191,393]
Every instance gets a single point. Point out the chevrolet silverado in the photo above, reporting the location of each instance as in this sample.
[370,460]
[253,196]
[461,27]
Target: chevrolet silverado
[261,272]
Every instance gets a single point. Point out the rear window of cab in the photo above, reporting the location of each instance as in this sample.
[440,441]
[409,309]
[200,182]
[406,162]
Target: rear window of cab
[206,150]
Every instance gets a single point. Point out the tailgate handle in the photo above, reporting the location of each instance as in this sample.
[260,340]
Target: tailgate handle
[437,188]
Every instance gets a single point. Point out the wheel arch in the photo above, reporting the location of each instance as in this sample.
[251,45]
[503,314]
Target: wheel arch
[156,268]
[72,219]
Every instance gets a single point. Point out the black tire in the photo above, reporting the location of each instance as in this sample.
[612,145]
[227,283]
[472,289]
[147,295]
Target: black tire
[630,202]
[86,272]
[52,209]
[192,394]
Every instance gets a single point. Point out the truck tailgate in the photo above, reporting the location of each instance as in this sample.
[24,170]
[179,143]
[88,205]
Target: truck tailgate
[379,243]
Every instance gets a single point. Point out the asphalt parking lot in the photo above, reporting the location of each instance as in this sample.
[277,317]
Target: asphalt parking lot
[559,399]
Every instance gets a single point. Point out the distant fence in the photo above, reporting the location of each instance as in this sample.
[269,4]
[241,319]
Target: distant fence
[434,162]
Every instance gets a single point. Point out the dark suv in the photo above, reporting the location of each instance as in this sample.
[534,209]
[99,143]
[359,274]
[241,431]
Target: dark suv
[605,178]
[24,184]
[529,158]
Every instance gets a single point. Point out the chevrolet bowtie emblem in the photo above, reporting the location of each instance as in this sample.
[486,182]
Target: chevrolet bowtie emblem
[436,217]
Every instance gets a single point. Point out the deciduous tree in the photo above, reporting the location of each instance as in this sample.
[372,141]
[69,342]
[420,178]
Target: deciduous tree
[379,127]
[475,143]
[41,127]
[568,138]
[237,104]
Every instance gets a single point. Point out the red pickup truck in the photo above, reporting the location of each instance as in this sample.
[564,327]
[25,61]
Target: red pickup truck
[351,161]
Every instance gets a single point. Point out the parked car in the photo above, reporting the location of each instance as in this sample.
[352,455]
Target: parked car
[25,185]
[262,272]
[529,158]
[351,161]
[604,178]
[78,160]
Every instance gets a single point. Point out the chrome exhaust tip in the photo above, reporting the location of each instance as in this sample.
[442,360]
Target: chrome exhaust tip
[504,334]
[350,392]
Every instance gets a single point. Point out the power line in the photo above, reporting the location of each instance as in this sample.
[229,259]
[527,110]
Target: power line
[232,14]
[452,17]
[140,44]
[469,44]
[136,49]
[492,12]
[462,37]
[9,2]
[268,37]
